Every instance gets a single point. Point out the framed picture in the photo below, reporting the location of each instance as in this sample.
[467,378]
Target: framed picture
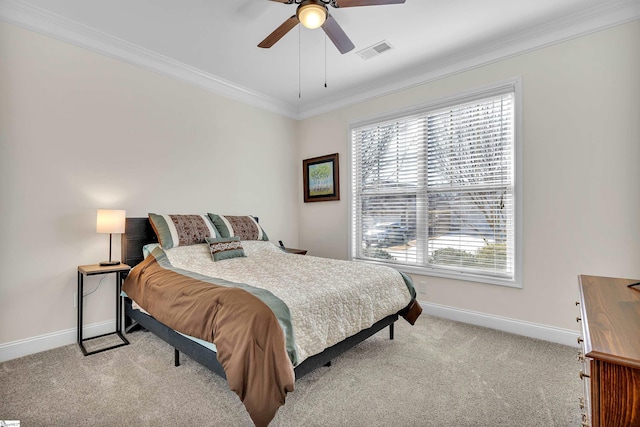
[321,178]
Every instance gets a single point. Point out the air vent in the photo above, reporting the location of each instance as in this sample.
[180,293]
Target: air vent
[375,50]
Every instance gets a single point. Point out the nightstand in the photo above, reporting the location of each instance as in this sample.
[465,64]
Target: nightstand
[295,251]
[93,270]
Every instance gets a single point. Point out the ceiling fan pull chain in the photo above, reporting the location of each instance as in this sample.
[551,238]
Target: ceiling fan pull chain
[299,66]
[325,60]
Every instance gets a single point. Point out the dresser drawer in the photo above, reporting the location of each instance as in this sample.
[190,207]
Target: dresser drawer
[585,400]
[585,377]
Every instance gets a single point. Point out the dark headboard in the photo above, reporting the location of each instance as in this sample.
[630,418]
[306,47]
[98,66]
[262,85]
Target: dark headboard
[137,233]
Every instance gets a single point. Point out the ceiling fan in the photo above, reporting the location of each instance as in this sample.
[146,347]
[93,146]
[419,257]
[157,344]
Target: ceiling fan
[314,14]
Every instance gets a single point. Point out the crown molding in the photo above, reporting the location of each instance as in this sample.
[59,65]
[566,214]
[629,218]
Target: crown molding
[52,25]
[604,15]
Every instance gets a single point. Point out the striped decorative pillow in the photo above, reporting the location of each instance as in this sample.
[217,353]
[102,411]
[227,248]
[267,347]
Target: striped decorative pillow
[245,227]
[182,230]
[225,248]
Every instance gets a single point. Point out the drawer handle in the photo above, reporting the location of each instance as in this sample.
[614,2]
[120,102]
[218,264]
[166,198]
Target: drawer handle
[578,319]
[580,356]
[580,340]
[577,302]
[583,375]
[581,400]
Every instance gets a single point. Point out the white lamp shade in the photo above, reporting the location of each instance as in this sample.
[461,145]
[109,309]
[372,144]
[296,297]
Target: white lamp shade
[110,221]
[312,15]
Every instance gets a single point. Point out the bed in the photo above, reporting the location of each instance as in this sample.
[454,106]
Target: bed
[168,265]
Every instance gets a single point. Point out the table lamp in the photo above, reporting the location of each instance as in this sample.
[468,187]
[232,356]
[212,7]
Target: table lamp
[110,221]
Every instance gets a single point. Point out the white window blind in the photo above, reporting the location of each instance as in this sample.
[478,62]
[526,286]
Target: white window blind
[434,189]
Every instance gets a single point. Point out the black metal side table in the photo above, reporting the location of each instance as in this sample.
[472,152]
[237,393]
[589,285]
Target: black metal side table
[92,270]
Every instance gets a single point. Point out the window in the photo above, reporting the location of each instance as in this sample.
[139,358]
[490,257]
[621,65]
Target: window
[434,189]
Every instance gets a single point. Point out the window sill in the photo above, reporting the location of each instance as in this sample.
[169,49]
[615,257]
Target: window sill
[454,275]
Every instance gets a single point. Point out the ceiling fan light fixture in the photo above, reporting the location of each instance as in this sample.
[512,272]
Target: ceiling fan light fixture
[312,14]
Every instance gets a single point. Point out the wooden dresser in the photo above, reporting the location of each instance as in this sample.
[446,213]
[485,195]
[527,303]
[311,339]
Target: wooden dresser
[610,318]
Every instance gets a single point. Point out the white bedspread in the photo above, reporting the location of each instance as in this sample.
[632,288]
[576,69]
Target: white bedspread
[329,300]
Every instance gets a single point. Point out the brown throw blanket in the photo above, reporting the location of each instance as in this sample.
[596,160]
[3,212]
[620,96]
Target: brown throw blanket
[412,312]
[250,342]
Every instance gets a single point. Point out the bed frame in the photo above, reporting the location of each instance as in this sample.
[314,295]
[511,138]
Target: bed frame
[138,232]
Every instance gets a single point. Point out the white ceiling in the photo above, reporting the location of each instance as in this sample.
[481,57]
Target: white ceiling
[213,43]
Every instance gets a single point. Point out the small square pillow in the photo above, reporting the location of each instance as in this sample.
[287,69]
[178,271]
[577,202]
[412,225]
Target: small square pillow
[225,248]
[245,227]
[182,230]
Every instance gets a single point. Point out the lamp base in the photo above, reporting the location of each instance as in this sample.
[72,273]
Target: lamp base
[105,263]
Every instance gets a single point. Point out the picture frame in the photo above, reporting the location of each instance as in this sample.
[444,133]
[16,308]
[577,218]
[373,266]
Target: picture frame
[321,178]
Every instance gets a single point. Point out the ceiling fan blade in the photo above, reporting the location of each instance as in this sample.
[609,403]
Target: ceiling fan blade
[337,35]
[354,3]
[279,32]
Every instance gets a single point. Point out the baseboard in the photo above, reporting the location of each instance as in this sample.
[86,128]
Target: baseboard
[505,324]
[15,349]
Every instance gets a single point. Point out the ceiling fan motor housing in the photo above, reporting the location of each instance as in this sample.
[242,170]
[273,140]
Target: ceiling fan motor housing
[312,13]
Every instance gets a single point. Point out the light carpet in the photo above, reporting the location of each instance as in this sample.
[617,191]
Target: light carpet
[436,373]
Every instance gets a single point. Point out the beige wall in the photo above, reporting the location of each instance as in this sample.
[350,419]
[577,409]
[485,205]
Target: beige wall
[81,131]
[581,173]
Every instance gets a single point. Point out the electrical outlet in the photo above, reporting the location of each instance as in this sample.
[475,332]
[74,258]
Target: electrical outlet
[421,287]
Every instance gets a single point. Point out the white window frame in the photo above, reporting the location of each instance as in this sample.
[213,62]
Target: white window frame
[514,84]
